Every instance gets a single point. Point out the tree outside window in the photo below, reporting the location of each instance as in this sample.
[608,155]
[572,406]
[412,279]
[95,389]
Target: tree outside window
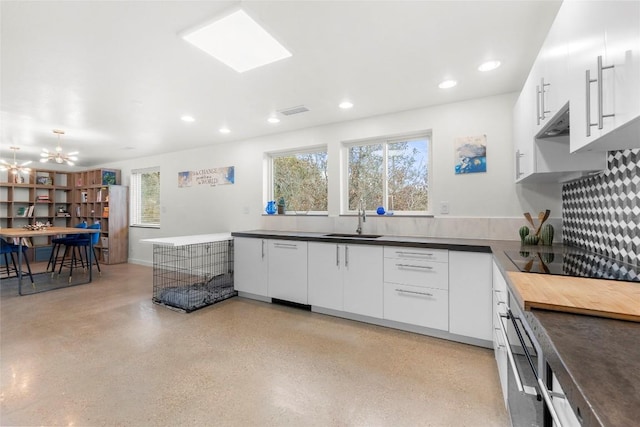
[145,197]
[393,174]
[301,180]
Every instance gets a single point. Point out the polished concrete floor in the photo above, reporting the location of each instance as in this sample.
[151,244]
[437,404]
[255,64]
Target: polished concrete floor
[103,354]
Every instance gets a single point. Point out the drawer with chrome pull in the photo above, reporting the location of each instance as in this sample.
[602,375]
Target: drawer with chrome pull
[421,254]
[416,273]
[417,306]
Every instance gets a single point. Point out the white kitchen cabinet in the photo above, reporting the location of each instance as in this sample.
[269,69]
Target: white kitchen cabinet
[287,271]
[604,48]
[363,280]
[416,305]
[417,272]
[416,286]
[346,277]
[470,301]
[543,101]
[250,266]
[523,132]
[551,72]
[499,344]
[325,275]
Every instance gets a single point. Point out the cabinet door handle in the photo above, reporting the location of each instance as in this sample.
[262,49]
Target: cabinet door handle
[538,94]
[262,248]
[337,256]
[518,156]
[424,267]
[423,254]
[588,81]
[414,292]
[542,92]
[285,245]
[346,256]
[601,115]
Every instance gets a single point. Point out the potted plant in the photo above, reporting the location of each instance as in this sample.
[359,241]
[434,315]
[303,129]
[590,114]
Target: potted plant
[281,206]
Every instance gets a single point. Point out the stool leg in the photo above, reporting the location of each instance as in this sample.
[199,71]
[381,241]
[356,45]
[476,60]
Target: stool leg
[26,260]
[96,258]
[55,251]
[64,256]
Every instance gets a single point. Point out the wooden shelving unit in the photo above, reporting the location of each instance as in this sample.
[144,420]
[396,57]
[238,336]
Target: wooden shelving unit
[35,197]
[64,199]
[98,198]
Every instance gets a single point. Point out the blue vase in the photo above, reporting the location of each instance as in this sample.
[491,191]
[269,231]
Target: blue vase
[271,207]
[380,210]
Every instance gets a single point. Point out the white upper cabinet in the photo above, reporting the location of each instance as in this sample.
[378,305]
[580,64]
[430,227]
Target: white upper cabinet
[523,122]
[581,32]
[604,67]
[552,72]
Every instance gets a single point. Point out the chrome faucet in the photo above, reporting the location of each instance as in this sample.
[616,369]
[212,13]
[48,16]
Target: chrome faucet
[362,216]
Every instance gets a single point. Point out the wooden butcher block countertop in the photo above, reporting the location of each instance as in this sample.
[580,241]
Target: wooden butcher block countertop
[595,297]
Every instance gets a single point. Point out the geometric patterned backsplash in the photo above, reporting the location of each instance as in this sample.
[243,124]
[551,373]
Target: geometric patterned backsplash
[602,213]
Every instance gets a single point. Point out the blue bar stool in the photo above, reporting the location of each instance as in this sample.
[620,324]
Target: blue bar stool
[6,249]
[58,242]
[83,241]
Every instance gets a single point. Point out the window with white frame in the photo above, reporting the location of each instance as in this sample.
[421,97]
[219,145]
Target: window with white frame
[145,197]
[299,178]
[389,172]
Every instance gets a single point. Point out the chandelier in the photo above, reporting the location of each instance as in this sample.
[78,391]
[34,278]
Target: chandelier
[58,156]
[14,168]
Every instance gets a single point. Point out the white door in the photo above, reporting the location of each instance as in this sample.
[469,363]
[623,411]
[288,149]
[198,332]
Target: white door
[250,265]
[470,300]
[524,116]
[363,289]
[325,275]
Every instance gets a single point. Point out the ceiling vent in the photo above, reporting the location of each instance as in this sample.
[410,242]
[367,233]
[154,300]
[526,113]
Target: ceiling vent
[294,110]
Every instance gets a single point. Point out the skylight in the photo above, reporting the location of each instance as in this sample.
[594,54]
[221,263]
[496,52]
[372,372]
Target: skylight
[238,41]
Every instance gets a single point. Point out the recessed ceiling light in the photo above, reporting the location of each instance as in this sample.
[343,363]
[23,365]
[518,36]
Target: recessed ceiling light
[346,105]
[224,130]
[187,119]
[273,120]
[447,84]
[489,65]
[237,41]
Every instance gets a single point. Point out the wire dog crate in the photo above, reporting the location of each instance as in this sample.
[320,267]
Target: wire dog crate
[192,272]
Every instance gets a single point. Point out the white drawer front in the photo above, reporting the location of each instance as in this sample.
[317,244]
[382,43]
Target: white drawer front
[416,306]
[425,254]
[416,273]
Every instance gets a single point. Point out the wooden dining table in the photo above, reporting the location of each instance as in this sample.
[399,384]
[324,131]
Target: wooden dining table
[17,234]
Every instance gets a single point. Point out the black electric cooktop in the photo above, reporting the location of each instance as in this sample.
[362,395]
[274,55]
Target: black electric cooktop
[573,262]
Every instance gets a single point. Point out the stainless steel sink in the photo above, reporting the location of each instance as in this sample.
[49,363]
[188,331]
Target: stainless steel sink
[354,235]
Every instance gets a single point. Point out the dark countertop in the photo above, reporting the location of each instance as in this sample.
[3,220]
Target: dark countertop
[596,360]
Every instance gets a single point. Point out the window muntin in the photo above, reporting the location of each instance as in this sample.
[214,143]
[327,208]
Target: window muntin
[145,197]
[300,177]
[393,173]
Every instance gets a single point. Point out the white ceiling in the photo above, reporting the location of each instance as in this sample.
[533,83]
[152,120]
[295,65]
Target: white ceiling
[116,77]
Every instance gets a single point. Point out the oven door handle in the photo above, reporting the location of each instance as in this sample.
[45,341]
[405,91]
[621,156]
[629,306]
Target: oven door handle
[512,362]
[547,399]
[543,388]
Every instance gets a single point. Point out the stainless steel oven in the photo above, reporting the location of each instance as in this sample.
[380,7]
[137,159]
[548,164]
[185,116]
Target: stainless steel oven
[527,396]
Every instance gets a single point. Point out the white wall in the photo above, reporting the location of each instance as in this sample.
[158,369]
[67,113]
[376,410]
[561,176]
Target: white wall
[486,205]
